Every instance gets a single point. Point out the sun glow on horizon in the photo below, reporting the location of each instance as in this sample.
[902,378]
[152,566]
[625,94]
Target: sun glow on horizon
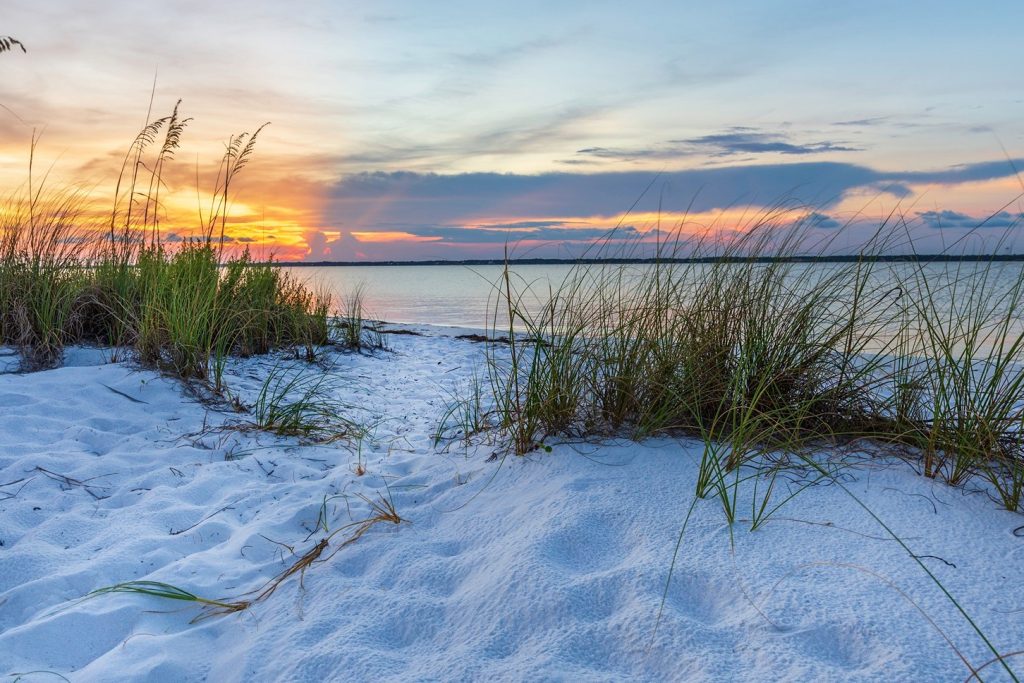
[301,218]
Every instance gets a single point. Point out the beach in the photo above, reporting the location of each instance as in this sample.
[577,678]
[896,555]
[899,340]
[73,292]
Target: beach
[511,342]
[551,566]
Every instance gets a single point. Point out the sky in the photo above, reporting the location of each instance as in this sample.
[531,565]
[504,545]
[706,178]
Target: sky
[404,130]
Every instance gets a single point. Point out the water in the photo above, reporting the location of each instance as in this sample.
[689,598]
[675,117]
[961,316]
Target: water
[466,296]
[462,296]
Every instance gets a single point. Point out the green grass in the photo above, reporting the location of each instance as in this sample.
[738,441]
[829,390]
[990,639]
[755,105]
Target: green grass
[464,414]
[296,402]
[771,359]
[351,330]
[69,275]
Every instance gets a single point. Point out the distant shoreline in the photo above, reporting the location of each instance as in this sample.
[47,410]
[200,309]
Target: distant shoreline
[896,258]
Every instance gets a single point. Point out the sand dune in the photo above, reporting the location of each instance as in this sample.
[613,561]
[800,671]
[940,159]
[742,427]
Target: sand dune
[548,567]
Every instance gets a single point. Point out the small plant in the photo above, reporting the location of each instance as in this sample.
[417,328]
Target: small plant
[296,402]
[352,332]
[464,415]
[539,381]
[364,433]
[40,275]
[380,510]
[159,589]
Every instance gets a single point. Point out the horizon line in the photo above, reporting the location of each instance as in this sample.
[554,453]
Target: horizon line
[838,258]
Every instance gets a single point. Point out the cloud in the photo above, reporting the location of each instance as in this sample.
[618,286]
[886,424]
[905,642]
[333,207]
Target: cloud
[456,242]
[735,141]
[505,54]
[372,199]
[177,238]
[468,197]
[462,209]
[462,213]
[321,247]
[577,162]
[872,121]
[749,141]
[946,219]
[525,225]
[816,219]
[963,173]
[555,232]
[405,197]
[514,134]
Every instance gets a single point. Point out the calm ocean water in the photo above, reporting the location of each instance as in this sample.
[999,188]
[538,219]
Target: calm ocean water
[466,295]
[440,295]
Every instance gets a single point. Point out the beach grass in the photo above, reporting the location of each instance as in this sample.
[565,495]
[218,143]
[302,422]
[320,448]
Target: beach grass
[296,402]
[464,414]
[70,274]
[767,359]
[350,328]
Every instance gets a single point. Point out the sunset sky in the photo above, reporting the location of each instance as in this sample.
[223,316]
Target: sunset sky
[426,130]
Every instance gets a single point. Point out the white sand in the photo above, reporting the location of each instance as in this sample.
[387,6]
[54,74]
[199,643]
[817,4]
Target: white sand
[550,567]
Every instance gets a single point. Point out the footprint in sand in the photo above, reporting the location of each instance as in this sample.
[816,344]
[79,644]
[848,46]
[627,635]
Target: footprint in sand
[846,646]
[586,543]
[698,597]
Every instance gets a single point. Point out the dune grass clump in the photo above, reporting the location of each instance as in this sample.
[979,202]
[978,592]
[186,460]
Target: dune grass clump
[464,414]
[351,330]
[292,402]
[71,275]
[708,349]
[193,312]
[971,400]
[39,278]
[763,356]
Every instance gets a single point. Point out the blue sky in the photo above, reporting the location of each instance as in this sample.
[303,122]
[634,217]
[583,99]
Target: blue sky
[855,108]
